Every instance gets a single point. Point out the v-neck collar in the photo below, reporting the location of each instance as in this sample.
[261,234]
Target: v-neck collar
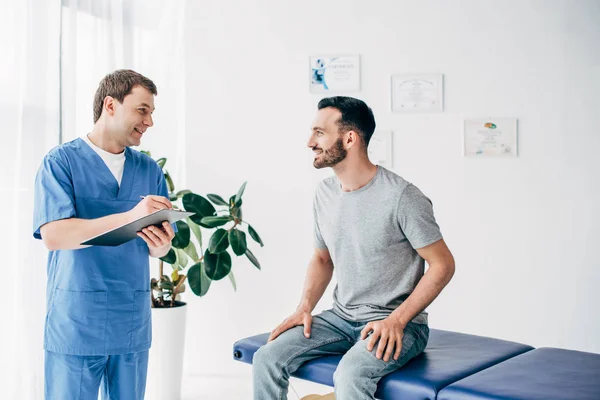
[120,192]
[124,190]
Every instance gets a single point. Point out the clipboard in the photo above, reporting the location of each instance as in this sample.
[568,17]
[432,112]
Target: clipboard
[127,232]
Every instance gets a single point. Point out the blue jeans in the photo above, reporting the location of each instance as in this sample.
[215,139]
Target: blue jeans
[358,372]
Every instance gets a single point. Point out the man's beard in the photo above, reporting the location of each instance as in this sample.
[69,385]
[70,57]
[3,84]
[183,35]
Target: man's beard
[331,156]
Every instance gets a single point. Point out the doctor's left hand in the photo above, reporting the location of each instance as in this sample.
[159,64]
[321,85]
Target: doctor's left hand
[158,239]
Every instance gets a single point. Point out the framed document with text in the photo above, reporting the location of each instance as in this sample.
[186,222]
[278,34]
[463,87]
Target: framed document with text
[490,137]
[334,73]
[381,149]
[417,93]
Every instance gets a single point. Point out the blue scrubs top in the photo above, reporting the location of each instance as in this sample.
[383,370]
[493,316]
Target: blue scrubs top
[98,298]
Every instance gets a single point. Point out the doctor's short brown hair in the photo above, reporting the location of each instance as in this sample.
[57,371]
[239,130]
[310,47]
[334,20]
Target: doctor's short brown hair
[117,85]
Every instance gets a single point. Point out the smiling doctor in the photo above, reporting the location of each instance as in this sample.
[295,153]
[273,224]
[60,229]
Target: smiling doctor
[98,322]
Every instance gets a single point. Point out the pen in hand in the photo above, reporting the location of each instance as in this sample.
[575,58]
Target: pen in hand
[143,197]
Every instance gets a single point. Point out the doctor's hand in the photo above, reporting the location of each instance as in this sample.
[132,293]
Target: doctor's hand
[148,205]
[158,239]
[389,332]
[300,317]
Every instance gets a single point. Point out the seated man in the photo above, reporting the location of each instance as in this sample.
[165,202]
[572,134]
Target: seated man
[375,230]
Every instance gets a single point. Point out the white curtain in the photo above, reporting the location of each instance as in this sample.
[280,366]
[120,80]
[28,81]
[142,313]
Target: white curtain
[99,36]
[54,53]
[29,111]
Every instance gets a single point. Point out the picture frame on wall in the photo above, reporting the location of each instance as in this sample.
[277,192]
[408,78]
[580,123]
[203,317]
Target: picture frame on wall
[380,149]
[334,73]
[417,93]
[490,137]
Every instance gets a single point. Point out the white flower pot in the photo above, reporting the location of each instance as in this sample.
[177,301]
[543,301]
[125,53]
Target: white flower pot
[165,364]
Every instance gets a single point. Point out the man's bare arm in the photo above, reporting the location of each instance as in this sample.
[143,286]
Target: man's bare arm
[439,273]
[318,276]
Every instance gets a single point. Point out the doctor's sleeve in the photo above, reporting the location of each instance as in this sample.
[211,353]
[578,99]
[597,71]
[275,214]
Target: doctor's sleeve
[53,194]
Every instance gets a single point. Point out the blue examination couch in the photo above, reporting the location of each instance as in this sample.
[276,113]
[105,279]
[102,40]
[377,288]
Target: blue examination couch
[467,367]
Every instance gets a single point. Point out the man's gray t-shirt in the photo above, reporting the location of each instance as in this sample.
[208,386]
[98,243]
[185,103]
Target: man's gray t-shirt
[371,234]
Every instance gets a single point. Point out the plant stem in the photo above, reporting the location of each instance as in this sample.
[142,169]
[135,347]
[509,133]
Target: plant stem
[176,290]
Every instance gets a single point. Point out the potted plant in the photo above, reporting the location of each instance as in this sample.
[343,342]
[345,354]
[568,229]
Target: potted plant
[199,267]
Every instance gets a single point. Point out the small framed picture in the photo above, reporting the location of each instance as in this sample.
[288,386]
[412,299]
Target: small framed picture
[490,137]
[417,93]
[334,73]
[381,149]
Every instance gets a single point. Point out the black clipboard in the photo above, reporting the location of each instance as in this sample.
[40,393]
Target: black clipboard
[127,232]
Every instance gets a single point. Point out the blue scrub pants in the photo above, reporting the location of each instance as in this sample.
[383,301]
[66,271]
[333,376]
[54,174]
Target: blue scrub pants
[123,376]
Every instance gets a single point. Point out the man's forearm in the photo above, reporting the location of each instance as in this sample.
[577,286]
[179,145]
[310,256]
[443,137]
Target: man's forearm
[318,276]
[428,288]
[67,234]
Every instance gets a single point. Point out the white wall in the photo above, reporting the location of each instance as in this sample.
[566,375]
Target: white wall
[523,231]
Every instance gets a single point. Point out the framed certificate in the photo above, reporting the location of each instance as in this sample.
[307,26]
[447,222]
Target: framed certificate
[380,149]
[417,93]
[334,73]
[490,137]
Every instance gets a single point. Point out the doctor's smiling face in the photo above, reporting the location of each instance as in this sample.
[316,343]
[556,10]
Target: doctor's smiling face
[123,107]
[132,117]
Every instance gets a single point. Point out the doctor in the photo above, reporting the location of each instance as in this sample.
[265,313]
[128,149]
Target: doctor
[98,328]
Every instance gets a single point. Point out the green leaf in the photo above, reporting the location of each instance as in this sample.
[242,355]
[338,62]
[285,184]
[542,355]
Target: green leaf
[252,258]
[254,235]
[233,204]
[218,200]
[213,222]
[176,265]
[199,205]
[237,239]
[182,237]
[190,250]
[218,241]
[236,212]
[170,184]
[170,258]
[232,279]
[238,196]
[218,265]
[182,258]
[166,285]
[161,162]
[182,192]
[195,228]
[146,152]
[198,280]
[172,197]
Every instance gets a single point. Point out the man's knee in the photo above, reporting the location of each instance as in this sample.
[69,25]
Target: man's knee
[347,373]
[269,355]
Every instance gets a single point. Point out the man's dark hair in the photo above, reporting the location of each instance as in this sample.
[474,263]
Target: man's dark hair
[117,85]
[356,116]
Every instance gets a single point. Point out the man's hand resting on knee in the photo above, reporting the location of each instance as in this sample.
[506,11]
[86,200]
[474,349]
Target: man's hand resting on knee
[300,317]
[318,276]
[389,331]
